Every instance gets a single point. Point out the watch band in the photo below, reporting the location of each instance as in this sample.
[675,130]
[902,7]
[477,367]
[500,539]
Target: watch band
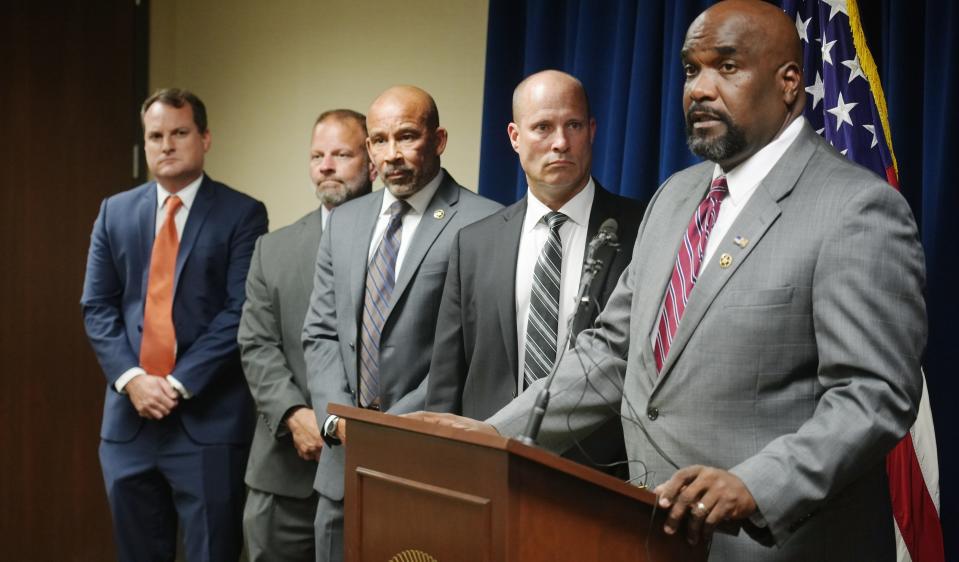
[329,430]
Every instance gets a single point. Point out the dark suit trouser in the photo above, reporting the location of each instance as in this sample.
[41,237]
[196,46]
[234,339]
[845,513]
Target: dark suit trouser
[279,527]
[329,530]
[162,475]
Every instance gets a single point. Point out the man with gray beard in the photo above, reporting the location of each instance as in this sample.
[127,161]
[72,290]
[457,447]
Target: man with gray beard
[281,505]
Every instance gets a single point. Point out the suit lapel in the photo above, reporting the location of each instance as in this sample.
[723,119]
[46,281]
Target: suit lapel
[146,220]
[360,249]
[505,244]
[662,256]
[202,204]
[753,222]
[429,229]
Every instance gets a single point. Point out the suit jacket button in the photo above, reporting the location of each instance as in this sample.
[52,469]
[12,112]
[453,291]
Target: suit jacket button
[352,345]
[652,413]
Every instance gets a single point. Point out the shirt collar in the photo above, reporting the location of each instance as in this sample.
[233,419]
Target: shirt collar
[186,195]
[577,208]
[419,201]
[744,178]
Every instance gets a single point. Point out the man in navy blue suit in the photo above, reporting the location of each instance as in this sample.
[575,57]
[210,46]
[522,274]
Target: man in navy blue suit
[161,303]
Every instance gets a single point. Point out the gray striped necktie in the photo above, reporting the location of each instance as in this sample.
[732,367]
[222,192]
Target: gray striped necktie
[544,303]
[380,279]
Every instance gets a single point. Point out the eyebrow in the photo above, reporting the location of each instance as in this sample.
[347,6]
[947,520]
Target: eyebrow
[722,50]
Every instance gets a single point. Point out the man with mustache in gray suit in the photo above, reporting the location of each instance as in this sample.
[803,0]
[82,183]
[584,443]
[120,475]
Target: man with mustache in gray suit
[368,334]
[764,343]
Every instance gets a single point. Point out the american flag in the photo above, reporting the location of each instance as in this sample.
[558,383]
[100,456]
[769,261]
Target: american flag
[845,104]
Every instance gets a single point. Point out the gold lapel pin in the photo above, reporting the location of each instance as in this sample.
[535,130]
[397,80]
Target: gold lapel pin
[741,242]
[725,261]
[438,214]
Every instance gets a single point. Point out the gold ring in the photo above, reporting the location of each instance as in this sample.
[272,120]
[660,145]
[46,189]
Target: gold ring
[701,507]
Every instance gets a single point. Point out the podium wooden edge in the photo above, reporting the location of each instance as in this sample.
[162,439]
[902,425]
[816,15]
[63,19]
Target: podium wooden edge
[512,446]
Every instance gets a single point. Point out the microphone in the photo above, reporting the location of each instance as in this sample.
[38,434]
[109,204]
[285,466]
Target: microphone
[606,236]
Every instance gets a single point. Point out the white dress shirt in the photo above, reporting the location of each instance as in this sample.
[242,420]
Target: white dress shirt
[743,181]
[324,216]
[187,195]
[418,202]
[531,242]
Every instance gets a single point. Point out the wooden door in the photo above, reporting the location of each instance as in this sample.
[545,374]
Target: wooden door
[72,74]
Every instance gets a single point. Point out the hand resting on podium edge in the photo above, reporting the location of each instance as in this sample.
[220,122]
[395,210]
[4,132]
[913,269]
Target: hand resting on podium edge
[454,421]
[709,498]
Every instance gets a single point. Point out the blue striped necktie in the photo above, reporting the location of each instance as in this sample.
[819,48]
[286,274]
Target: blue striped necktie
[541,327]
[380,279]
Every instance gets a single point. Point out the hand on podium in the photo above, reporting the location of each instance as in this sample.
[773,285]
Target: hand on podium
[451,420]
[711,496]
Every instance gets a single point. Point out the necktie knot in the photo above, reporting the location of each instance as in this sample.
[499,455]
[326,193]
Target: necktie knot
[554,220]
[718,189]
[173,203]
[398,208]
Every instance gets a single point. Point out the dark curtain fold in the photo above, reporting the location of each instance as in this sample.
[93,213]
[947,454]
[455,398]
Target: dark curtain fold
[626,52]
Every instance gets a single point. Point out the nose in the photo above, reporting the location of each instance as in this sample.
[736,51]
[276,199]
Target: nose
[560,140]
[393,152]
[701,87]
[167,145]
[326,165]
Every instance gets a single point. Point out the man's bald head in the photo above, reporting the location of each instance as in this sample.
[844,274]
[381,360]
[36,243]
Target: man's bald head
[547,81]
[743,66]
[552,132]
[410,98]
[405,140]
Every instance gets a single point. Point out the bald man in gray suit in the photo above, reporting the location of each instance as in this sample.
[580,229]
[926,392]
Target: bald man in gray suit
[401,234]
[766,389]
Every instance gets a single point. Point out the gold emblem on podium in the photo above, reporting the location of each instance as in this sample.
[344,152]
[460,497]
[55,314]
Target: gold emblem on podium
[413,555]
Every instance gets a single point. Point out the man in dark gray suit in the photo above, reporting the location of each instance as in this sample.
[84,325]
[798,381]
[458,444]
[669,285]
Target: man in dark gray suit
[368,335]
[281,504]
[765,341]
[480,352]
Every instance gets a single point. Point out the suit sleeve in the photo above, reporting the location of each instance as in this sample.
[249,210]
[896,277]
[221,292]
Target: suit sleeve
[101,304]
[588,387]
[325,371]
[448,367]
[261,350]
[199,365]
[870,330]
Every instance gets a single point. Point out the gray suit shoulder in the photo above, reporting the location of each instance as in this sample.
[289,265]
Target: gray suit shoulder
[290,232]
[477,205]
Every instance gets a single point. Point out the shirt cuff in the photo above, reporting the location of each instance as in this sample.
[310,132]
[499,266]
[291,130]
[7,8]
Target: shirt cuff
[758,520]
[178,386]
[126,377]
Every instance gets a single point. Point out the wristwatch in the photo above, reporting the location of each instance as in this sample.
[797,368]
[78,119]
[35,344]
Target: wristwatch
[329,430]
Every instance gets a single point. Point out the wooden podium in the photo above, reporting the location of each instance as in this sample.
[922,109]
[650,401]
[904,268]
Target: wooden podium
[417,491]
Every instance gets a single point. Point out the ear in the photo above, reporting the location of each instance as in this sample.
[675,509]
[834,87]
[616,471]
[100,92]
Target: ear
[372,171]
[441,137]
[207,140]
[790,76]
[592,130]
[513,131]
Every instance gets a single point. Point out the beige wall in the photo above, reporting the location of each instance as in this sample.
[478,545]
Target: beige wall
[266,69]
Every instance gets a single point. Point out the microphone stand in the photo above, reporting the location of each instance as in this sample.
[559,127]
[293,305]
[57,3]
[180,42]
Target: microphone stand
[591,267]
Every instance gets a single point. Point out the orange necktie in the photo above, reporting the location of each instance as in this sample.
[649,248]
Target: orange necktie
[158,346]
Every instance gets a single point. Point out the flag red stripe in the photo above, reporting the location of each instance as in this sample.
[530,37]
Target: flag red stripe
[912,506]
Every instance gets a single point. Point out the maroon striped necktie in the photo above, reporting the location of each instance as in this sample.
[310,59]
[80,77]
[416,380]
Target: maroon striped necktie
[689,260]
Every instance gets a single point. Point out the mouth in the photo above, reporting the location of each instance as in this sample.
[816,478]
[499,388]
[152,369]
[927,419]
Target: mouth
[699,118]
[559,163]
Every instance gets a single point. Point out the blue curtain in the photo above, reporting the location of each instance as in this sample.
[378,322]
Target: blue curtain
[626,52]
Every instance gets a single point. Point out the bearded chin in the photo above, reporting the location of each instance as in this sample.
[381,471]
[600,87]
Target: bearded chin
[718,149]
[332,196]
